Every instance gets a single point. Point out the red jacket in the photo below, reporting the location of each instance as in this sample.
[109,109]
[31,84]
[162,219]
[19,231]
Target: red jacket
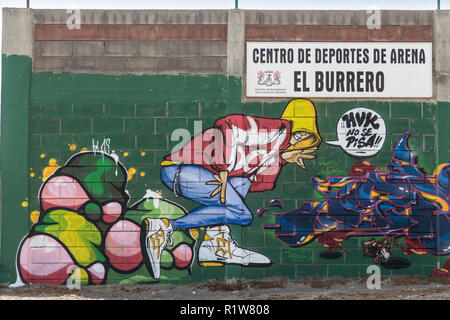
[245,146]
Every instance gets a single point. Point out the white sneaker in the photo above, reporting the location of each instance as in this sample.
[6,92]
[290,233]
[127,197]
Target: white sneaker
[158,236]
[219,248]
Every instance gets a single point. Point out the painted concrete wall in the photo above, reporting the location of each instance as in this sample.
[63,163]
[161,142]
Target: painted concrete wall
[127,80]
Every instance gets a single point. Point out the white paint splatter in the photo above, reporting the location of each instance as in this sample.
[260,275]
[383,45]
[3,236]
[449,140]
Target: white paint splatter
[149,194]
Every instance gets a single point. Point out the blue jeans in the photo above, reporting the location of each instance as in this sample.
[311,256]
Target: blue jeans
[192,185]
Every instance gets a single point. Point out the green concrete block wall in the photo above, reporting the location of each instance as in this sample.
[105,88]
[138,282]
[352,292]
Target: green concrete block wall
[138,115]
[15,139]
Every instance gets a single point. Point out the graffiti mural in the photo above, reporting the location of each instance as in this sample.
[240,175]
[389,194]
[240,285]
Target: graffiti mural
[399,202]
[86,227]
[219,167]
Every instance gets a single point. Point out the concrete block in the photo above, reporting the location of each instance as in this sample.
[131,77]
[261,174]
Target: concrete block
[259,33]
[183,49]
[50,16]
[137,49]
[389,17]
[78,65]
[119,16]
[426,17]
[174,32]
[321,33]
[442,25]
[208,32]
[385,33]
[111,32]
[48,64]
[211,17]
[308,17]
[142,65]
[353,33]
[361,17]
[275,17]
[208,66]
[193,17]
[442,57]
[181,16]
[152,49]
[110,65]
[86,32]
[150,16]
[197,49]
[289,33]
[49,32]
[236,42]
[339,17]
[37,48]
[442,83]
[417,33]
[173,65]
[251,16]
[56,48]
[63,64]
[143,32]
[213,49]
[17,32]
[92,16]
[399,17]
[88,48]
[120,48]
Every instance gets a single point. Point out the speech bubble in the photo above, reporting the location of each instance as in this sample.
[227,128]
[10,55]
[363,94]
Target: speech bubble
[361,132]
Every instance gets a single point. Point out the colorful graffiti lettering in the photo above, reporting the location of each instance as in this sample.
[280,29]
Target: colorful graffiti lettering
[86,227]
[400,202]
[442,272]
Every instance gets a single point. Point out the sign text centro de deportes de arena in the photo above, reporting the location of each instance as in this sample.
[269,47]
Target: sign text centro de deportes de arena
[336,69]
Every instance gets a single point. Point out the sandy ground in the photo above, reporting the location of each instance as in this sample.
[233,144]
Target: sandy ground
[393,288]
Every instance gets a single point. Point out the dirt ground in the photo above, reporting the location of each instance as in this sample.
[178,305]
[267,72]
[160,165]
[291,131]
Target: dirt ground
[393,288]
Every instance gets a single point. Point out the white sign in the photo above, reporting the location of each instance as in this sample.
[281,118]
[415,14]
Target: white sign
[340,69]
[361,132]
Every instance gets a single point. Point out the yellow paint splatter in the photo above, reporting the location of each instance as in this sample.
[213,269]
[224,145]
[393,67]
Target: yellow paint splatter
[42,155]
[131,173]
[25,204]
[84,149]
[194,233]
[32,174]
[125,154]
[73,147]
[142,174]
[52,166]
[142,154]
[34,216]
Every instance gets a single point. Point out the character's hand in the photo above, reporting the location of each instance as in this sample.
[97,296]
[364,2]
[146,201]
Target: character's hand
[297,156]
[221,182]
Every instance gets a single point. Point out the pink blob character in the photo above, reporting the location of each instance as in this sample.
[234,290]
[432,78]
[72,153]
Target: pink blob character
[62,191]
[182,255]
[111,211]
[123,246]
[44,260]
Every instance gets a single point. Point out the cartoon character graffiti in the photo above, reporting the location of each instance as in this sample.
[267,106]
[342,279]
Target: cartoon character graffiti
[217,169]
[401,202]
[86,227]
